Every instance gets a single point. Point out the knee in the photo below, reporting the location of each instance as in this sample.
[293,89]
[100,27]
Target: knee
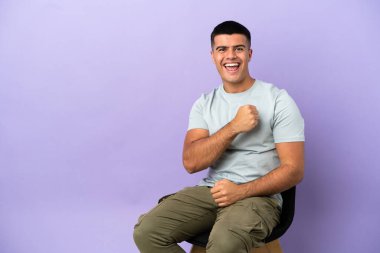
[147,233]
[139,234]
[226,241]
[142,233]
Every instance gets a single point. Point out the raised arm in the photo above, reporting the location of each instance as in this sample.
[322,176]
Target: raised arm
[200,150]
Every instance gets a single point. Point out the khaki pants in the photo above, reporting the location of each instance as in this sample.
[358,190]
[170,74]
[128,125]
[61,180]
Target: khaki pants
[236,228]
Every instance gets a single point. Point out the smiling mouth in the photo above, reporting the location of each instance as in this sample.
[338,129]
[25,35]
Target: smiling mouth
[231,66]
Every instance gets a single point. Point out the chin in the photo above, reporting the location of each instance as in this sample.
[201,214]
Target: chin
[233,81]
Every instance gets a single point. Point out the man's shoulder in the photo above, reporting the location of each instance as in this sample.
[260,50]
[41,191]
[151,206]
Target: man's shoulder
[208,96]
[267,87]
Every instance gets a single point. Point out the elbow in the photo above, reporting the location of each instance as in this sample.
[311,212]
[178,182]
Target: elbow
[189,166]
[295,174]
[299,178]
[298,175]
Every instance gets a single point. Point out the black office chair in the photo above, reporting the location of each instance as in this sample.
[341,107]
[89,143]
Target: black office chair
[286,219]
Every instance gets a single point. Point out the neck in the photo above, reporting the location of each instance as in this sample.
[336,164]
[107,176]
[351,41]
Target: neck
[238,87]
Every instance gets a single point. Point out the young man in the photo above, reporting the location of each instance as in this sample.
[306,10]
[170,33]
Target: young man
[250,135]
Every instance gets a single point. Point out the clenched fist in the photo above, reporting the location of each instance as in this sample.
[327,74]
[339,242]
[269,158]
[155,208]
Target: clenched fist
[246,119]
[226,192]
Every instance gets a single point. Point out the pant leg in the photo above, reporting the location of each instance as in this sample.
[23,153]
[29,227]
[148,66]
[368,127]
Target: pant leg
[177,218]
[243,225]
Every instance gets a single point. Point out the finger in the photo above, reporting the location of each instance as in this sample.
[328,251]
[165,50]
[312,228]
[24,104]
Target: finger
[220,200]
[217,195]
[220,183]
[215,189]
[223,204]
[220,203]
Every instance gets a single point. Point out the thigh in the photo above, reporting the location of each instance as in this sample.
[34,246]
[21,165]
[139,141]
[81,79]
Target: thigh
[182,215]
[251,219]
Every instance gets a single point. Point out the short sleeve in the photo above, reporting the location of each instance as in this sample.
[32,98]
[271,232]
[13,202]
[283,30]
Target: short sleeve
[196,118]
[288,124]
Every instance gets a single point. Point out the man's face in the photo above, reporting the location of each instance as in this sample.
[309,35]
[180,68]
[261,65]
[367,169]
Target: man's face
[231,55]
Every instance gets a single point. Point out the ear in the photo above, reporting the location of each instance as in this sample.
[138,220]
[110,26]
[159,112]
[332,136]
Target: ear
[250,54]
[212,56]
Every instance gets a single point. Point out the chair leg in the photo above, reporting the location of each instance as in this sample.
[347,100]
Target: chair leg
[272,247]
[197,249]
[262,249]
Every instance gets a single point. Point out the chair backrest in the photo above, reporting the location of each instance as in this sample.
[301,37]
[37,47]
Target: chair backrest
[287,214]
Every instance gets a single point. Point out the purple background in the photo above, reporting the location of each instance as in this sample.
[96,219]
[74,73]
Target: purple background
[95,96]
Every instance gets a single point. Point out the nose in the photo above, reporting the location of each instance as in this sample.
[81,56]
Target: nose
[231,54]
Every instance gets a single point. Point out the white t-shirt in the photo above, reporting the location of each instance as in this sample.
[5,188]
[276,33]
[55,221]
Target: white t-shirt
[252,154]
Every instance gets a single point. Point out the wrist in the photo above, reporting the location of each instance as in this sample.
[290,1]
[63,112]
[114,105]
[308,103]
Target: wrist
[233,128]
[244,190]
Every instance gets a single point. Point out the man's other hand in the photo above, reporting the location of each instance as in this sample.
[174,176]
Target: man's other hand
[226,192]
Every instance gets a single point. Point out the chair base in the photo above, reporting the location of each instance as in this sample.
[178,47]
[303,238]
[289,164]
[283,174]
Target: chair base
[270,247]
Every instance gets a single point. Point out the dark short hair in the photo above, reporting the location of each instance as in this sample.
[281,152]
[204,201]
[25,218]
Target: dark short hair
[230,27]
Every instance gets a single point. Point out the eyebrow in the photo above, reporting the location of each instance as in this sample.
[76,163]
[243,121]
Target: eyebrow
[235,46]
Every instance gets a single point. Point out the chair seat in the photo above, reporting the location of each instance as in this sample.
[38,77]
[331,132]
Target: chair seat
[286,219]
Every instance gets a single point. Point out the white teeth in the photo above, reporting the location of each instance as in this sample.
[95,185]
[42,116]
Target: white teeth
[231,64]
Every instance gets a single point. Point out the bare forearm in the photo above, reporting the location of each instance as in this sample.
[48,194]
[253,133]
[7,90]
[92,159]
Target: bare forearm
[278,180]
[289,173]
[201,150]
[204,152]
